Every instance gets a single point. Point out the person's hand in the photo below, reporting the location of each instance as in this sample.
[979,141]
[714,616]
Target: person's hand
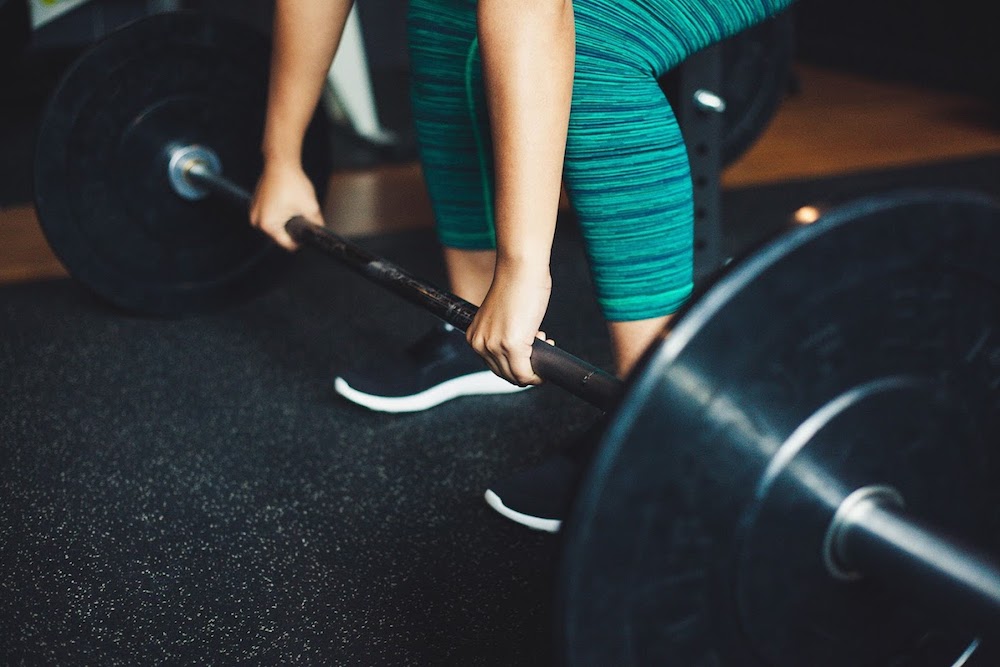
[507,323]
[283,192]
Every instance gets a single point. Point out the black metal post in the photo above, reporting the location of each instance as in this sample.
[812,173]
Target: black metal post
[700,113]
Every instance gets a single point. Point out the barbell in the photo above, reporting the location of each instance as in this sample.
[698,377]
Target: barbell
[756,69]
[803,472]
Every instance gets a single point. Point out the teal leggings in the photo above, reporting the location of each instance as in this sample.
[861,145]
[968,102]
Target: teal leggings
[626,167]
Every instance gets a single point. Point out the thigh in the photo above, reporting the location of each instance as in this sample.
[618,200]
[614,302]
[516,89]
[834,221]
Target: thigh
[657,35]
[628,178]
[627,169]
[451,120]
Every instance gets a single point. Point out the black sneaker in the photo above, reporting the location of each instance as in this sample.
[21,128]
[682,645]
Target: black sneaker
[542,496]
[437,368]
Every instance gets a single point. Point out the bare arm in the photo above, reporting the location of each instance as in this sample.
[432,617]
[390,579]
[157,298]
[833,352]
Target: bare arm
[306,36]
[528,49]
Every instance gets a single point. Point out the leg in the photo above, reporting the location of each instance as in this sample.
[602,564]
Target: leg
[628,178]
[632,193]
[470,272]
[626,163]
[453,131]
[630,340]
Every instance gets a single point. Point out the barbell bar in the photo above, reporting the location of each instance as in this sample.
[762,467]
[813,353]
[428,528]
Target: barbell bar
[872,535]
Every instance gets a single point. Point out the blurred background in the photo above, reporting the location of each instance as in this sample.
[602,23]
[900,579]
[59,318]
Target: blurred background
[854,86]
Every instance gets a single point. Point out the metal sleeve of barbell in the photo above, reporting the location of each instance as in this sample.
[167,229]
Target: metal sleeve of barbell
[555,365]
[219,185]
[883,543]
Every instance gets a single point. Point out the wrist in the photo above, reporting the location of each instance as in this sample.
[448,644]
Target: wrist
[282,163]
[534,268]
[281,154]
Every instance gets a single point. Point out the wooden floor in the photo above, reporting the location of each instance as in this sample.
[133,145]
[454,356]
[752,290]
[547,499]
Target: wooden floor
[835,123]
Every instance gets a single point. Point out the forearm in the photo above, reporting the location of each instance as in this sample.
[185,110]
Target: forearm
[528,49]
[306,36]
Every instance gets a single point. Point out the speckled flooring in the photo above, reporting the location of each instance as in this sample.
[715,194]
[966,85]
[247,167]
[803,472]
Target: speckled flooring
[193,491]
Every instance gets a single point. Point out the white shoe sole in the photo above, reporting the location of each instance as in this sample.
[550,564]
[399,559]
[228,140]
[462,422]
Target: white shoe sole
[548,525]
[484,382]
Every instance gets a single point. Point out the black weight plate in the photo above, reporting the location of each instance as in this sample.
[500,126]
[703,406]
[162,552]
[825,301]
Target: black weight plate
[101,186]
[862,350]
[756,72]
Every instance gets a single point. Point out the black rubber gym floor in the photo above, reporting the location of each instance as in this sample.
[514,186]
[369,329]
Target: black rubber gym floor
[193,492]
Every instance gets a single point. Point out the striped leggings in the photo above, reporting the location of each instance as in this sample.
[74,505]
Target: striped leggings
[626,168]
